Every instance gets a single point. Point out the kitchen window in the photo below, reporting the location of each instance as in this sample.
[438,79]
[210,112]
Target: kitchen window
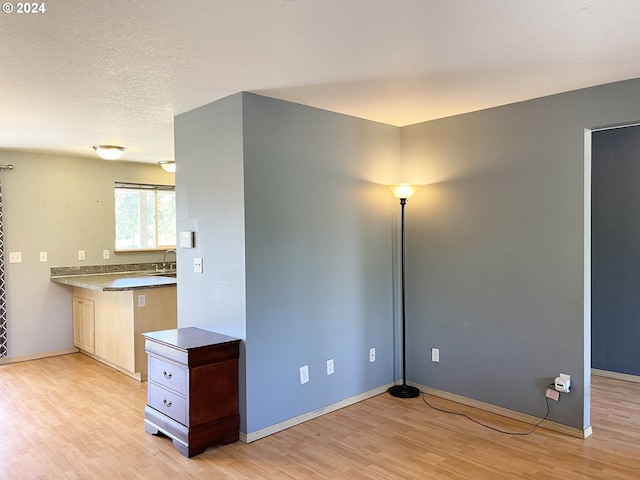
[145,217]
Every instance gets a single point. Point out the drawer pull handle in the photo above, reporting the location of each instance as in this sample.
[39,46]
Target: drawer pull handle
[166,404]
[167,375]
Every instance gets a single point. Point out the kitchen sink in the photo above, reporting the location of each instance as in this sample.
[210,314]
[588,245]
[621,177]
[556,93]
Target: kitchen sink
[165,273]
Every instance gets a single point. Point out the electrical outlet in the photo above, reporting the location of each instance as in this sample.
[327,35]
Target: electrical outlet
[304,374]
[15,257]
[43,257]
[372,355]
[105,254]
[435,355]
[81,255]
[562,383]
[197,265]
[142,300]
[330,366]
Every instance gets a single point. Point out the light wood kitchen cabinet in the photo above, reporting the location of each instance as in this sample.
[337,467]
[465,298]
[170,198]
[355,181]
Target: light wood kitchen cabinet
[84,324]
[120,318]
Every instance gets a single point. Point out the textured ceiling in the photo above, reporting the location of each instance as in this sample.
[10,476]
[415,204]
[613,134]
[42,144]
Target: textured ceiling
[116,72]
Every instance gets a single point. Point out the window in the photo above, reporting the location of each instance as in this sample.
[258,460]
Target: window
[145,216]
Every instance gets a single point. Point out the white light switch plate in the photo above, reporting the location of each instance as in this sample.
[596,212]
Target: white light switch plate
[15,257]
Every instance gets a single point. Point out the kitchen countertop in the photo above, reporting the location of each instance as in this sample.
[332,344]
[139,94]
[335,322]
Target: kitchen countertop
[115,280]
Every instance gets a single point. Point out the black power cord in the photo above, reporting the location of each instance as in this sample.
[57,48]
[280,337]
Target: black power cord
[424,399]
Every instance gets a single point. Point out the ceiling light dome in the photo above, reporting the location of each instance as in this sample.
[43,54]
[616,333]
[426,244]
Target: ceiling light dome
[168,165]
[109,152]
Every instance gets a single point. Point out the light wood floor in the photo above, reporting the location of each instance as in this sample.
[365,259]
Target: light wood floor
[71,417]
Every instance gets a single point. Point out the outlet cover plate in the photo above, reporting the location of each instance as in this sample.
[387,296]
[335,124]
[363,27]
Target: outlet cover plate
[435,355]
[197,265]
[304,374]
[330,366]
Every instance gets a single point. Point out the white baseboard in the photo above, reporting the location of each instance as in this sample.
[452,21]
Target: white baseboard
[618,376]
[505,412]
[7,360]
[258,434]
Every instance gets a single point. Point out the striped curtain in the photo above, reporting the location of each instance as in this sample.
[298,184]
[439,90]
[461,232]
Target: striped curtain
[3,290]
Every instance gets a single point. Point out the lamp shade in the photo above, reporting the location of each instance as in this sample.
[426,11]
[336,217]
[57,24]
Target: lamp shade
[403,190]
[168,165]
[109,152]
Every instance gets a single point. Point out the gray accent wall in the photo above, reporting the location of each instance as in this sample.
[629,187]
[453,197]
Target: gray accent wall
[210,202]
[299,241]
[319,257]
[499,248]
[294,225]
[59,205]
[616,250]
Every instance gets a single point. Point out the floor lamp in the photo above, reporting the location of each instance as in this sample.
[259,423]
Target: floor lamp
[403,192]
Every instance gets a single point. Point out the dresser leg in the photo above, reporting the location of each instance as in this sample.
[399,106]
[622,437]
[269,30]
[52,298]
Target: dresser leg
[230,437]
[183,449]
[151,429]
[192,451]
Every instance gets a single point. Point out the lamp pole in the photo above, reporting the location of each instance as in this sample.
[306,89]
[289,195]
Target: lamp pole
[404,390]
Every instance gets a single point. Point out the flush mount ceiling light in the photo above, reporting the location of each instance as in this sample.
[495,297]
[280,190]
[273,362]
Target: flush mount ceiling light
[109,152]
[168,165]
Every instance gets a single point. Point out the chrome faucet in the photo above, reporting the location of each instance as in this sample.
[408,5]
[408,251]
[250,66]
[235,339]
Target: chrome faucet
[164,259]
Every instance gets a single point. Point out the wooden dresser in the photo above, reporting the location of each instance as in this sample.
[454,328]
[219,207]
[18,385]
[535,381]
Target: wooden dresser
[193,388]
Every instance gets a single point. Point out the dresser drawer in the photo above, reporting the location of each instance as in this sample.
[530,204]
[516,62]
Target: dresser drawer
[168,375]
[168,402]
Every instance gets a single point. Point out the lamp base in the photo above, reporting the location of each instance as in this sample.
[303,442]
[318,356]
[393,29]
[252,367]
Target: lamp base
[404,391]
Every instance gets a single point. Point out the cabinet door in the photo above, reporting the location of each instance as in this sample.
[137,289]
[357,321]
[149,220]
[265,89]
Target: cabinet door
[77,322]
[84,324]
[88,325]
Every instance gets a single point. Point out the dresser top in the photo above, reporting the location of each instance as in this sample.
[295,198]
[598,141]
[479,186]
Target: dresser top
[189,338]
